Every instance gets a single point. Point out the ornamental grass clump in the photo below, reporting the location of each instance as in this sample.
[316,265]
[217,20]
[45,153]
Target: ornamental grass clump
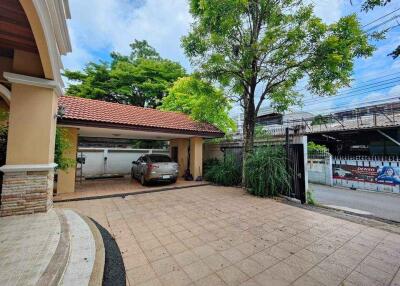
[265,172]
[225,172]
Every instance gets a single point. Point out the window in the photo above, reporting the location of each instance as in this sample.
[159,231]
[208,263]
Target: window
[156,158]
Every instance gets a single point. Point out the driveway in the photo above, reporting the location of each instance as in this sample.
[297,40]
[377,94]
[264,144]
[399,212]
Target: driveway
[382,205]
[223,236]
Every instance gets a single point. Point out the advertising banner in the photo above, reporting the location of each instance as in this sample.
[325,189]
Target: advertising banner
[382,177]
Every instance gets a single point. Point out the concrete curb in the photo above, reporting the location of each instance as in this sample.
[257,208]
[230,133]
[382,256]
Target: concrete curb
[367,220]
[96,278]
[58,263]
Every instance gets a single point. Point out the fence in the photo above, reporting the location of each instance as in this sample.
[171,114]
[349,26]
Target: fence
[380,174]
[110,161]
[297,156]
[319,166]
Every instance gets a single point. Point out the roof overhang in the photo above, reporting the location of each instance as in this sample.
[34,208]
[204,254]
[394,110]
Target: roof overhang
[112,130]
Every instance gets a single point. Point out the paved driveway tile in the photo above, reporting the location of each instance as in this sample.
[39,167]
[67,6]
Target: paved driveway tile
[222,236]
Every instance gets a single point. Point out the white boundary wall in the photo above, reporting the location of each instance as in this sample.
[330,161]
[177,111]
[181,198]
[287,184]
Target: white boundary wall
[110,161]
[319,167]
[367,173]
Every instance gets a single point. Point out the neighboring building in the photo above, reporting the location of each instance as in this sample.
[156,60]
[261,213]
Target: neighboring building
[370,130]
[270,120]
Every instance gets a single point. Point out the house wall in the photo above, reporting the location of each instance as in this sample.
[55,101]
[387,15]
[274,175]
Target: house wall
[110,161]
[20,66]
[183,153]
[66,178]
[196,157]
[28,174]
[32,125]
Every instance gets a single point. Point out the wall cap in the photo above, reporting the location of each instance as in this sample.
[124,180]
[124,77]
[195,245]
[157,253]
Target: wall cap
[25,168]
[33,81]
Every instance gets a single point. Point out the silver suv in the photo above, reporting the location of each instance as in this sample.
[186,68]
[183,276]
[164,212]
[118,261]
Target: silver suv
[154,167]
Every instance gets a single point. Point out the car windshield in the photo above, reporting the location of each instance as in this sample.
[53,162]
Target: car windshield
[159,158]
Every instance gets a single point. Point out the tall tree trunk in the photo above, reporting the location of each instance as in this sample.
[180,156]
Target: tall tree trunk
[249,123]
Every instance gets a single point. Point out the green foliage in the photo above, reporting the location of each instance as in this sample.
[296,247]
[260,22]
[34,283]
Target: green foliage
[239,41]
[269,47]
[371,4]
[225,173]
[265,171]
[310,197]
[141,79]
[207,164]
[4,122]
[320,120]
[261,133]
[201,100]
[313,147]
[62,144]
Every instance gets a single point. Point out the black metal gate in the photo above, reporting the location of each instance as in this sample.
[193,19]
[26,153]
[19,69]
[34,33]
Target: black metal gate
[295,167]
[295,161]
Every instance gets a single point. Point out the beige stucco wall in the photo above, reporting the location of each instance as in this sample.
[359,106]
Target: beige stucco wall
[66,179]
[40,38]
[183,153]
[27,64]
[196,156]
[32,125]
[5,66]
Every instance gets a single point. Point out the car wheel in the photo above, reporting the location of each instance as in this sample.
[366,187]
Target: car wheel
[143,180]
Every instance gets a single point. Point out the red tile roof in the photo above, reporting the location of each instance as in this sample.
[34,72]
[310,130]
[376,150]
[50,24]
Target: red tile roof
[77,109]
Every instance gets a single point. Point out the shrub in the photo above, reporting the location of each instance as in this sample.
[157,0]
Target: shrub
[310,197]
[62,144]
[265,171]
[207,164]
[226,172]
[316,148]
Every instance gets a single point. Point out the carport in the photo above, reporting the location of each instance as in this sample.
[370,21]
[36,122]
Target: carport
[100,119]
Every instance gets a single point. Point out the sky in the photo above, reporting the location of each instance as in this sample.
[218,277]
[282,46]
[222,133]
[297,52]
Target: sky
[98,27]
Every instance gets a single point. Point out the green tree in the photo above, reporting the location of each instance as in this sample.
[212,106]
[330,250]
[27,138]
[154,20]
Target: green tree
[372,4]
[262,49]
[140,79]
[314,147]
[201,100]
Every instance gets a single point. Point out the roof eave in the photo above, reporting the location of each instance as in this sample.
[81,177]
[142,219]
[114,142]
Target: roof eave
[99,124]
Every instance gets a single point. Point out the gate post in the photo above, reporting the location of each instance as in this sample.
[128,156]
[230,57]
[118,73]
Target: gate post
[303,141]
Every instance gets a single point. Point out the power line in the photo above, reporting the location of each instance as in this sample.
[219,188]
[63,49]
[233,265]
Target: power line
[352,94]
[384,16]
[364,81]
[383,23]
[363,104]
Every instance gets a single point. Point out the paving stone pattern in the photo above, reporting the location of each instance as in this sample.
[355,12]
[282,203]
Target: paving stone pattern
[223,236]
[27,244]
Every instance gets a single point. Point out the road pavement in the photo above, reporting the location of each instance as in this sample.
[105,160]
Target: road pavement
[382,205]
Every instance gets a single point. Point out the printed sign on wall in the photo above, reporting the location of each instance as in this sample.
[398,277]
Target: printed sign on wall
[382,177]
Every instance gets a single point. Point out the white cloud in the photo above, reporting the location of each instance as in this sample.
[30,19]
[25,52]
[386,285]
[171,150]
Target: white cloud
[328,10]
[101,26]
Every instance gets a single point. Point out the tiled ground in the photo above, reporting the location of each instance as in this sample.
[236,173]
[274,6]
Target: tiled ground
[104,187]
[222,236]
[27,243]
